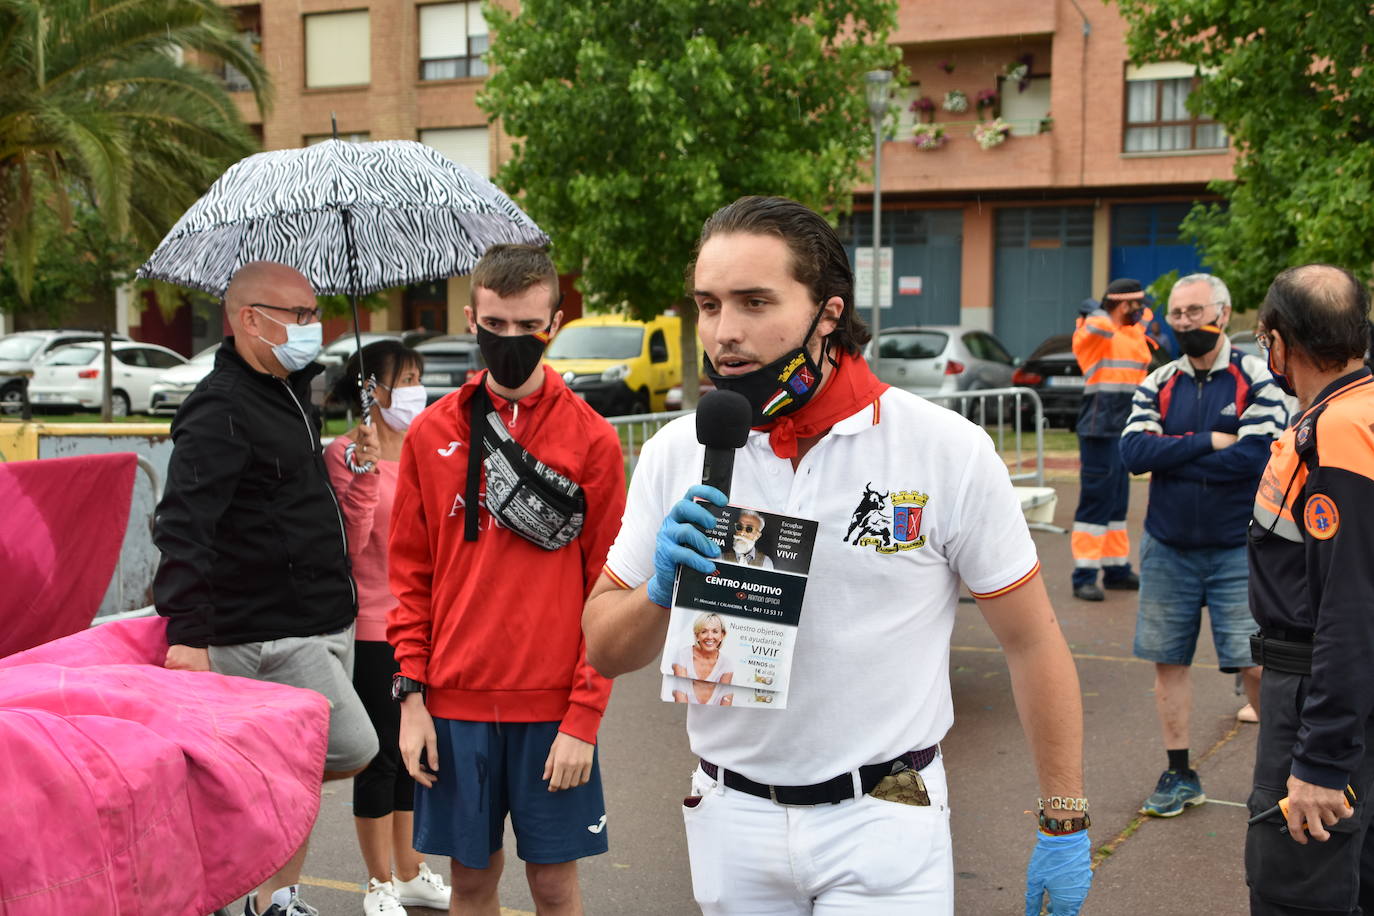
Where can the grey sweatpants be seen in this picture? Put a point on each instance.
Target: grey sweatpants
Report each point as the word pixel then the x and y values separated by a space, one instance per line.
pixel 323 664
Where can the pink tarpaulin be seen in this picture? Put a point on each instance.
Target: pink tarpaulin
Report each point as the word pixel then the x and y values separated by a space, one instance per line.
pixel 130 790
pixel 62 526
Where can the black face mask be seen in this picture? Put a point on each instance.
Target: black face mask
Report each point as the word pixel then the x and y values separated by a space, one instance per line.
pixel 783 386
pixel 512 360
pixel 1198 341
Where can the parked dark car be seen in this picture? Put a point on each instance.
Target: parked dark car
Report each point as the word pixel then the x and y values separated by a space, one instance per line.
pixel 1053 373
pixel 449 362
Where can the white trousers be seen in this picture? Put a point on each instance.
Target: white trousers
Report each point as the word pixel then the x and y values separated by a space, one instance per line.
pixel 752 857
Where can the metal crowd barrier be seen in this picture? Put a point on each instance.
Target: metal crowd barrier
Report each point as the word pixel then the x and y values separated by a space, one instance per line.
pixel 636 429
pixel 155 479
pixel 1008 407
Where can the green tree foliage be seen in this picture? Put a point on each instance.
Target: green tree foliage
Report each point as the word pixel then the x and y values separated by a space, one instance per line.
pixel 96 105
pixel 1292 83
pixel 79 262
pixel 638 120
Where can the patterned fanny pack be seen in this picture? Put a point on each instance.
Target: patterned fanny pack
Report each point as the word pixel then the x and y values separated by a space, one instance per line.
pixel 523 493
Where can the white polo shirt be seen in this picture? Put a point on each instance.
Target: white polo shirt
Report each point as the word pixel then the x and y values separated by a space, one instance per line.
pixel 870 674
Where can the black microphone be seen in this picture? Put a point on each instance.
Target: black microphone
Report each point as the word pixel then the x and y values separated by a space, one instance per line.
pixel 723 420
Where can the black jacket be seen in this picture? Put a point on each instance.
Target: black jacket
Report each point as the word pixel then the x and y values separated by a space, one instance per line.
pixel 1310 573
pixel 251 535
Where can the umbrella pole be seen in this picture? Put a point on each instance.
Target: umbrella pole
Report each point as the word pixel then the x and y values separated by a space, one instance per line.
pixel 364 387
pixel 353 295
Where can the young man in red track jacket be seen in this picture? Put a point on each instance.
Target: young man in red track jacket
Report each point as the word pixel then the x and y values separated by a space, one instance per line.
pixel 495 686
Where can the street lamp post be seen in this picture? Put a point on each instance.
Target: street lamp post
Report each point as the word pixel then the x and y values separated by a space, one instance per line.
pixel 877 85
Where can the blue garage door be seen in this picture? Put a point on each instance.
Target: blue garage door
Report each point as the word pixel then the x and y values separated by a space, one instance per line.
pixel 1146 243
pixel 1042 271
pixel 925 243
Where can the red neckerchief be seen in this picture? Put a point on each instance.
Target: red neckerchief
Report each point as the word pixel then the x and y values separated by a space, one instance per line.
pixel 852 385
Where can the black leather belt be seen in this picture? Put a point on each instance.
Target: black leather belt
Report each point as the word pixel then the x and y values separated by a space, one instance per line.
pixel 830 792
pixel 1285 651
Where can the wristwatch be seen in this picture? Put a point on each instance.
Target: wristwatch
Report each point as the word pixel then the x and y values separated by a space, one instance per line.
pixel 402 687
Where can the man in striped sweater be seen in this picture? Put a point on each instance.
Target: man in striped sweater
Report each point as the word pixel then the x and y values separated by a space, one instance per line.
pixel 1202 426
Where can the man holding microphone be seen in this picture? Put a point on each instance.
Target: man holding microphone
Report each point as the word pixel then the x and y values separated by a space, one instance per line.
pixel 869 696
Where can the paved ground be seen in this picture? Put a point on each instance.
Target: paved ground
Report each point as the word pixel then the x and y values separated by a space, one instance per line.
pixel 1184 865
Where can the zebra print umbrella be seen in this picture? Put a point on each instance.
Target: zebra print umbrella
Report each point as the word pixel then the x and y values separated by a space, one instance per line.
pixel 354 218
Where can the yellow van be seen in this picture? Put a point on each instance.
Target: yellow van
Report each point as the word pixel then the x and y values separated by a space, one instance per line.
pixel 618 365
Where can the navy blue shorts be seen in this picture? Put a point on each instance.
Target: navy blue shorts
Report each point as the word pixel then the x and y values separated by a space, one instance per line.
pixel 487 770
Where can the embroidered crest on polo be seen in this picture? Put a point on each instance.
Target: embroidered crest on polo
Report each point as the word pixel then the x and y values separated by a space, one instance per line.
pixel 888 522
pixel 1321 518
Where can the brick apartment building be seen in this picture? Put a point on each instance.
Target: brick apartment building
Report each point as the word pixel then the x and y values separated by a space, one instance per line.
pixel 1102 162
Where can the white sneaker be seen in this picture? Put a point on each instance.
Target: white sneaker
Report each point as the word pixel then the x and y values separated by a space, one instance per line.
pixel 380 899
pixel 425 889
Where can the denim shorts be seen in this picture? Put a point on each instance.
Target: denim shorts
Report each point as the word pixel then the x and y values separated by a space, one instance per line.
pixel 1175 584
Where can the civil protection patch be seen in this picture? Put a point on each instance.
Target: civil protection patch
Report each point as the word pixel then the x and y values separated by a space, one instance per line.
pixel 1321 518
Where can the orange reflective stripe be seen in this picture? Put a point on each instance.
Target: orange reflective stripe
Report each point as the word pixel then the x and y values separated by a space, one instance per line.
pixel 1116 543
pixel 1086 545
pixel 1123 359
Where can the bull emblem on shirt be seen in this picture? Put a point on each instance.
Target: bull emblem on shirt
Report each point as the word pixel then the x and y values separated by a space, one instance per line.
pixel 886 528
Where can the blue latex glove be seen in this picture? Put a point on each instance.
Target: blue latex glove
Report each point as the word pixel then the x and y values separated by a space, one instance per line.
pixel 681 542
pixel 1061 866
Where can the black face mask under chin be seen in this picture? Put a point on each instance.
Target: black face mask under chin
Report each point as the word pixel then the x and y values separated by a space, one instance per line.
pixel 783 386
pixel 1198 341
pixel 512 359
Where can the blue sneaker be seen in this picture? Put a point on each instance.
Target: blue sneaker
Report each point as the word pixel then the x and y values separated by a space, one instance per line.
pixel 1175 791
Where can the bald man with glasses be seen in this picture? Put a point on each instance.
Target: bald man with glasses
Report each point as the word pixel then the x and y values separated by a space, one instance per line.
pixel 254 577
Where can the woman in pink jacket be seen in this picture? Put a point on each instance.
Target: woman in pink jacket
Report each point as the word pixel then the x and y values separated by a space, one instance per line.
pixel 384 793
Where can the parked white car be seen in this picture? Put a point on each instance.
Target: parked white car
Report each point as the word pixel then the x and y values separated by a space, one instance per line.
pixel 22 350
pixel 69 377
pixel 175 384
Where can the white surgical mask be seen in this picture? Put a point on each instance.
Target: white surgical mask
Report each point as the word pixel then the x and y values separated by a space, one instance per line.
pixel 303 343
pixel 406 404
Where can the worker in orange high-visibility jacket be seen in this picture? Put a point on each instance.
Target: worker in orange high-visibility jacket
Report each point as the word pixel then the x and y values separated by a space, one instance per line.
pixel 1114 353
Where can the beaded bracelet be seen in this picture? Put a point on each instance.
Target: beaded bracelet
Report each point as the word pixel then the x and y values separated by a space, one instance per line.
pixel 1063 802
pixel 1055 826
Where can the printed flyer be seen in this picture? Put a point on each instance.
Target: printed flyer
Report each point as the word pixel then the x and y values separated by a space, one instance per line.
pixel 731 632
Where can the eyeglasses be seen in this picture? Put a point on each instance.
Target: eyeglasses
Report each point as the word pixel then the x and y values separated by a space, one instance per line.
pixel 1192 312
pixel 303 315
pixel 747 528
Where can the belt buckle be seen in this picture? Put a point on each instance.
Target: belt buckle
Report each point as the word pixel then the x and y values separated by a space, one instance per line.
pixel 773 795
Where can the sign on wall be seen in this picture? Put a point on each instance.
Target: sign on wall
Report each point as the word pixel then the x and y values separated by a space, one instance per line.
pixel 863 277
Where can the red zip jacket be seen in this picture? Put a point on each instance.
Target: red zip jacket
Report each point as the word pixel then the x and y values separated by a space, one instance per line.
pixel 493 627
